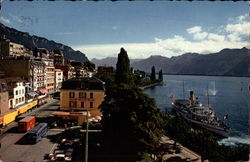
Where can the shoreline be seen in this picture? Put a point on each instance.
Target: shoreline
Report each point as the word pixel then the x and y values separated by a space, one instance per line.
pixel 209 75
pixel 150 85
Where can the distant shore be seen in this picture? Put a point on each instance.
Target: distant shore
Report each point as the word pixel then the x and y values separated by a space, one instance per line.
pixel 151 85
pixel 208 75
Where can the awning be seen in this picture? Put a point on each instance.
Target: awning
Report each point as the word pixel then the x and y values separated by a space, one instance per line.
pixel 32 94
pixel 61 113
pixel 44 91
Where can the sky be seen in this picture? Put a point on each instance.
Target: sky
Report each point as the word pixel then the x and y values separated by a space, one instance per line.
pixel 143 28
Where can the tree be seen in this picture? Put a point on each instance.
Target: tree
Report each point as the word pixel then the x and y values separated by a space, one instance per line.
pixel 153 76
pixel 131 121
pixel 123 71
pixel 160 77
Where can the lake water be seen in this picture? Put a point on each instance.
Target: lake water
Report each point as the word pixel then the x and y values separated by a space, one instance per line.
pixel 227 96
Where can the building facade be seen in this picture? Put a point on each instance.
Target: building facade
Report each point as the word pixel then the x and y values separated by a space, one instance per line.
pixel 50 75
pixel 11 49
pixel 58 57
pixel 16 88
pixel 4 97
pixel 58 79
pixel 29 70
pixel 81 95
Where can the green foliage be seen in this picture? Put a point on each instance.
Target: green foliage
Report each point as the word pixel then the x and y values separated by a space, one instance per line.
pixel 160 77
pixel 203 142
pixel 123 71
pixel 131 121
pixel 153 76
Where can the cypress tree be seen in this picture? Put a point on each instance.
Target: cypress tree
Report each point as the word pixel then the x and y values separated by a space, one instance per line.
pixel 123 71
pixel 160 77
pixel 153 77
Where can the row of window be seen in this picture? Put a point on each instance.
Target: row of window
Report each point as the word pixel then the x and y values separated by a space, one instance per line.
pixel 81 95
pixel 73 104
pixel 18 100
pixel 18 92
pixel 50 85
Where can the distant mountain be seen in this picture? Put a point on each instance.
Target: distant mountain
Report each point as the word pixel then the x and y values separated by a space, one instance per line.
pixel 234 62
pixel 110 61
pixel 40 42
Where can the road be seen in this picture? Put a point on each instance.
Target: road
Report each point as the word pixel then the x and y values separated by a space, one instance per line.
pixel 15 148
pixel 52 104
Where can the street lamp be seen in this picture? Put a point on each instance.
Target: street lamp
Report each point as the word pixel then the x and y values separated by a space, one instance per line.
pixel 86 138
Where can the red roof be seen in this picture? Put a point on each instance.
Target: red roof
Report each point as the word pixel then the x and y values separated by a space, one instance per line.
pixel 27 118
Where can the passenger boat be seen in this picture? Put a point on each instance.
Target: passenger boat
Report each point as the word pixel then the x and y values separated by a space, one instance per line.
pixel 203 116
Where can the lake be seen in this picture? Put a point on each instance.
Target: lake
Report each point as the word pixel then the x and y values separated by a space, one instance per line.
pixel 227 96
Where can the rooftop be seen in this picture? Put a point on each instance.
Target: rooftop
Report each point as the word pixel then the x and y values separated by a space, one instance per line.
pixel 83 84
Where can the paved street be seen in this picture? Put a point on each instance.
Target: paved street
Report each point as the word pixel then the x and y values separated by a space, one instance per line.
pixel 15 149
pixel 46 109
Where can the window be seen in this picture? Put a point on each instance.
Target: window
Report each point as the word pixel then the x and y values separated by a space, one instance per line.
pixel 91 105
pixel 20 99
pixel 91 95
pixel 16 101
pixel 82 94
pixel 71 94
pixel 16 92
pixel 23 91
pixel 82 104
pixel 72 104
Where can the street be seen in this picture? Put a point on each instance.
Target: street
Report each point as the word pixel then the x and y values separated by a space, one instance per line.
pixel 14 148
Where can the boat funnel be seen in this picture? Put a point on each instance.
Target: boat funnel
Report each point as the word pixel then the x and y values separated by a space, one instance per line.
pixel 192 98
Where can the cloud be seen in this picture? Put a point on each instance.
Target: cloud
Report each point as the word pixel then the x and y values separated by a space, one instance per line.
pixel 196 32
pixel 195 29
pixel 239 29
pixel 228 36
pixel 4 20
pixel 216 37
pixel 135 50
pixel 200 36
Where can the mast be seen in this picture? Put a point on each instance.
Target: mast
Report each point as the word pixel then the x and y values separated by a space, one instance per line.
pixel 207 96
pixel 183 94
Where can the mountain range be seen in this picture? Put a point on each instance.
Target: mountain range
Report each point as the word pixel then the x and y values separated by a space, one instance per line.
pixel 232 62
pixel 33 41
pixel 110 61
pixel 229 62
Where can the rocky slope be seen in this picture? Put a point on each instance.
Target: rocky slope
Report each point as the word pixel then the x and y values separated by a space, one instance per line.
pixel 33 41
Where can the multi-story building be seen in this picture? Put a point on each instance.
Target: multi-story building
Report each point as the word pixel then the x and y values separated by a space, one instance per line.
pixel 81 95
pixel 50 75
pixel 16 88
pixel 4 97
pixel 58 57
pixel 29 70
pixel 11 49
pixel 68 71
pixel 58 79
pixel 106 70
pixel 44 55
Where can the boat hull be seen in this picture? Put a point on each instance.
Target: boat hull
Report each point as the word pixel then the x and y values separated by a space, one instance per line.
pixel 221 132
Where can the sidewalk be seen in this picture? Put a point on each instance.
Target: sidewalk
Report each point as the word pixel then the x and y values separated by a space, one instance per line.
pixel 184 154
